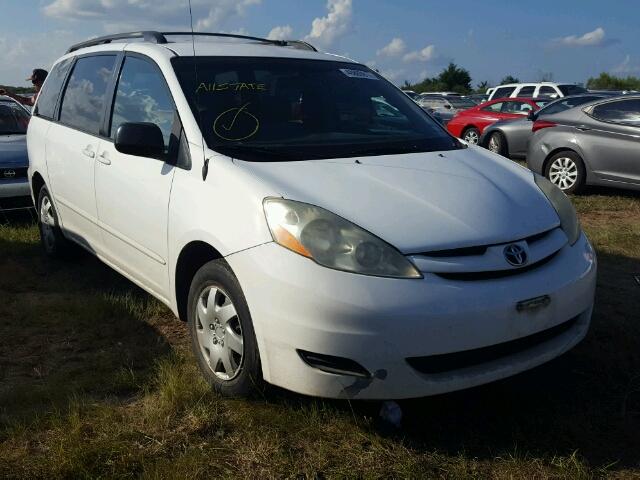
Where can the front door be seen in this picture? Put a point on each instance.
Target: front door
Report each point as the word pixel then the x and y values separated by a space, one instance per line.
pixel 132 192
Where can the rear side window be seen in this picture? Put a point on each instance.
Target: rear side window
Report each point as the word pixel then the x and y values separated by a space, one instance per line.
pixel 503 92
pixel 545 90
pixel 84 99
pixel 142 96
pixel 527 91
pixel 624 112
pixel 48 98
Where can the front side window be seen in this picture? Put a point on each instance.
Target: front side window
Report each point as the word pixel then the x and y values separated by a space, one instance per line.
pixel 84 99
pixel 142 96
pixel 516 107
pixel 13 119
pixel 48 97
pixel 545 90
pixel 527 91
pixel 276 109
pixel 624 112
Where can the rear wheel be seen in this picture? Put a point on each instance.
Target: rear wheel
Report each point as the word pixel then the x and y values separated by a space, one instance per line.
pixel 471 135
pixel 51 237
pixel 222 336
pixel 497 144
pixel 566 171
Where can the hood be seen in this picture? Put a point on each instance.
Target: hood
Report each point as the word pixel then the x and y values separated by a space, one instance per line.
pixel 420 202
pixel 13 151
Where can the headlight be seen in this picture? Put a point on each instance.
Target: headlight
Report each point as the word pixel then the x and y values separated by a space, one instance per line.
pixel 332 241
pixel 563 206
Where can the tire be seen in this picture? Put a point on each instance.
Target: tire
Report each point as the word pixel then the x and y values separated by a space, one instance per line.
pixel 222 336
pixel 471 135
pixel 53 242
pixel 497 144
pixel 566 171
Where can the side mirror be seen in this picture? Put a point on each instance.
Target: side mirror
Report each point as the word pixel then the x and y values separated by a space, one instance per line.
pixel 531 115
pixel 140 139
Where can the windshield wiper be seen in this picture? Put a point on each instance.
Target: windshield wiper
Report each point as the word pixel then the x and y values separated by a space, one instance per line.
pixel 257 151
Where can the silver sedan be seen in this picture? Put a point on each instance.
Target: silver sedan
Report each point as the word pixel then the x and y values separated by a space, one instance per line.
pixel 594 144
pixel 511 137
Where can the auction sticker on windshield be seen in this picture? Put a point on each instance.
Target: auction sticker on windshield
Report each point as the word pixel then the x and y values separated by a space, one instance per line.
pixel 358 74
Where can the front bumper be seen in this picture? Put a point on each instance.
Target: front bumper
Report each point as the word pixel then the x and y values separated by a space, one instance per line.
pixel 380 323
pixel 15 193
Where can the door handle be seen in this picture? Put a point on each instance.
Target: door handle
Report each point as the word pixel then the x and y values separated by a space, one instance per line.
pixel 88 152
pixel 104 158
pixel 583 128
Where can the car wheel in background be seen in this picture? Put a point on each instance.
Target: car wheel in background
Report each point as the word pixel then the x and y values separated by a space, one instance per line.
pixel 222 336
pixel 566 171
pixel 51 237
pixel 497 144
pixel 471 135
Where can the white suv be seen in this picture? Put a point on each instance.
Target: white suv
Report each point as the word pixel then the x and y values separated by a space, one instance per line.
pixel 309 237
pixel 535 90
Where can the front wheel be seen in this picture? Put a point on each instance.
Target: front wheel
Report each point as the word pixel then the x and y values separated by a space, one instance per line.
pixel 471 135
pixel 496 144
pixel 566 171
pixel 53 242
pixel 222 336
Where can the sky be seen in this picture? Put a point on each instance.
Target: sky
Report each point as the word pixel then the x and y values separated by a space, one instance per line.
pixel 570 40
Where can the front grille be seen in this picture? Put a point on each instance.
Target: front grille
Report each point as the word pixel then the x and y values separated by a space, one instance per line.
pixel 491 275
pixel 448 362
pixel 5 173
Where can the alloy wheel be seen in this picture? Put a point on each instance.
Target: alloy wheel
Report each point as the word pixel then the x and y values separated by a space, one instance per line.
pixel 47 223
pixel 219 333
pixel 563 172
pixel 471 136
pixel 494 146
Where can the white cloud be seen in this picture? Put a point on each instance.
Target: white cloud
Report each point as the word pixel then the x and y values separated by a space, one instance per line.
pixel 595 38
pixel 326 30
pixel 626 66
pixel 283 32
pixel 394 76
pixel 424 55
pixel 221 10
pixel 394 48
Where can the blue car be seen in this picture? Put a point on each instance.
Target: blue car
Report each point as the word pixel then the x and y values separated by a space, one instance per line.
pixel 14 161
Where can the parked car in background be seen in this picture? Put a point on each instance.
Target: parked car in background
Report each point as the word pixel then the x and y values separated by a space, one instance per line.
pixel 14 161
pixel 477 98
pixel 441 94
pixel 411 94
pixel 469 124
pixel 536 90
pixel 510 137
pixel 309 239
pixel 446 106
pixel 595 144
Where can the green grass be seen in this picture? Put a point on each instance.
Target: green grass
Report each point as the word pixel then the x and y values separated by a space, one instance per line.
pixel 97 381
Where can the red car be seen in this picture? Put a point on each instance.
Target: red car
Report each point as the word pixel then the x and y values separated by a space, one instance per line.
pixel 469 124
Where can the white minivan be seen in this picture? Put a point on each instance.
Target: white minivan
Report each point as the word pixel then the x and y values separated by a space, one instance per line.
pixel 312 224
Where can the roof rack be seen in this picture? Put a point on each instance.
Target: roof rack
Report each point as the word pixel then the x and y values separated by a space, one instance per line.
pixel 161 38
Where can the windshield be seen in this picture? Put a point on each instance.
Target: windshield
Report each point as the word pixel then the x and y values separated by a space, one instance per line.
pixel 13 119
pixel 461 102
pixel 275 109
pixel 572 90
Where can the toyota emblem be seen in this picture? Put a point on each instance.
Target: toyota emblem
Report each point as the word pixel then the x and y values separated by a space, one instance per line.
pixel 9 173
pixel 515 255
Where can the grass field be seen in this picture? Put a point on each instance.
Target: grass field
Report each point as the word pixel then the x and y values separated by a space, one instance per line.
pixel 96 380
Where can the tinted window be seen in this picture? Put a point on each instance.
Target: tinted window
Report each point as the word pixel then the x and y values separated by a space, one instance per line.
pixel 494 107
pixel 527 91
pixel 84 98
pixel 46 104
pixel 13 119
pixel 461 103
pixel 503 92
pixel 279 109
pixel 544 90
pixel 626 112
pixel 142 96
pixel 571 90
pixel 565 104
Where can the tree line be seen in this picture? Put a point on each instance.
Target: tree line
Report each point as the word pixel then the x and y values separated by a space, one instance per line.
pixel 457 79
